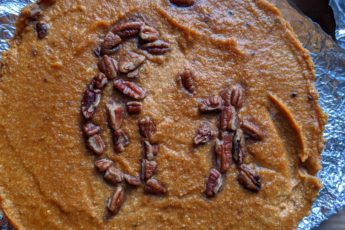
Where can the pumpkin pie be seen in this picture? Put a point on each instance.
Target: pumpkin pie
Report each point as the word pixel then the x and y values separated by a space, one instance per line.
pixel 138 114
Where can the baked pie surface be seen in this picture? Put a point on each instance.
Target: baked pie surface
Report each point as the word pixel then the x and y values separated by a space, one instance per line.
pixel 48 178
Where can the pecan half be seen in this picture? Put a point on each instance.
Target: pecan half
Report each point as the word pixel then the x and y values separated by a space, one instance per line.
pixel 133 107
pixel 229 119
pixel 127 29
pixel 148 169
pixel 234 96
pixel 41 29
pixel 130 89
pixel 150 150
pixel 238 147
pixel 184 3
pixel 116 201
pixel 91 100
pixel 214 183
pixel 99 81
pixel 115 114
pixel 132 180
pixel 213 103
pixel 96 144
pixel 91 129
pixel 248 179
pixel 148 33
pixel 121 140
pixel 103 164
pixel 153 186
pixel 108 66
pixel 223 151
pixel 130 61
pixel 203 134
pixel 113 175
pixel 237 97
pixel 157 47
pixel 252 130
pixel 110 43
pixel 187 81
pixel 147 127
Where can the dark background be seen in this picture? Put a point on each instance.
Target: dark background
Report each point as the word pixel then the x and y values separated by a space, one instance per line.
pixel 319 11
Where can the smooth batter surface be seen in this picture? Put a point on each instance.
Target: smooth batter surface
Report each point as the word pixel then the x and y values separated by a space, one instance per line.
pixel 48 180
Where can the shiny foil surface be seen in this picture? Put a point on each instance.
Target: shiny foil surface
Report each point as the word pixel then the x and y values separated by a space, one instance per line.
pixel 329 59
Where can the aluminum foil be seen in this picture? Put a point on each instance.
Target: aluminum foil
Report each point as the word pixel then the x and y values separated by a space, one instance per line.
pixel 339 12
pixel 329 59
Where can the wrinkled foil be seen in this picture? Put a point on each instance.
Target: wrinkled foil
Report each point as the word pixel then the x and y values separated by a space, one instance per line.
pixel 329 59
pixel 339 14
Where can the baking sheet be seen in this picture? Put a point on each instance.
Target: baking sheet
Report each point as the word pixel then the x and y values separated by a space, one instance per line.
pixel 329 59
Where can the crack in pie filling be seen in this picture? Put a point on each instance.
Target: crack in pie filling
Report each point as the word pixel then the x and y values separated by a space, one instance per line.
pixel 165 114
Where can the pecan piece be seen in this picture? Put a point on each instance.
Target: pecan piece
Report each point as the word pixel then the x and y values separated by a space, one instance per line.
pixel 99 81
pixel 121 140
pixel 248 179
pixel 130 62
pixel 153 186
pixel 233 96
pixel 113 175
pixel 252 130
pixel 187 81
pixel 133 74
pixel 226 96
pixel 150 150
pixel 213 103
pixel 229 119
pixel 115 114
pixel 214 183
pixel 237 97
pixel 157 47
pixel 110 43
pixel 96 144
pixel 133 107
pixel 127 29
pixel 147 127
pixel 91 129
pixel 108 66
pixel 41 29
pixel 97 52
pixel 148 33
pixel 103 164
pixel 116 201
pixel 148 169
pixel 184 3
pixel 223 151
pixel 132 180
pixel 238 147
pixel 130 89
pixel 203 134
pixel 91 100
